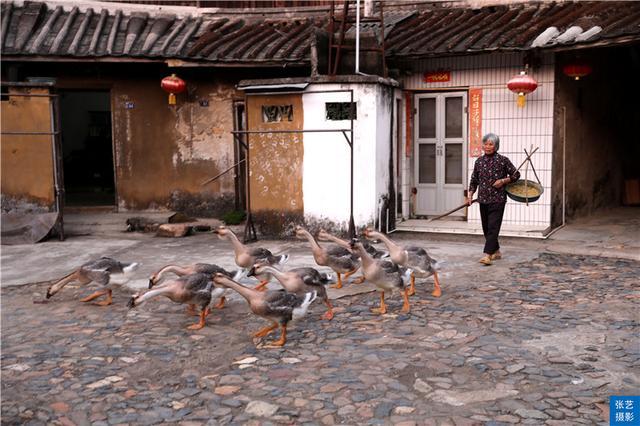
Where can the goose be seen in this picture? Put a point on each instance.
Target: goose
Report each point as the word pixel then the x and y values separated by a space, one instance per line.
pixel 385 274
pixel 300 281
pixel 340 259
pixel 246 257
pixel 196 268
pixel 194 289
pixel 413 257
pixel 277 306
pixel 374 252
pixel 99 271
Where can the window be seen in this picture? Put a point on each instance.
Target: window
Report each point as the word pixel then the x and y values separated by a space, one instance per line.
pixel 277 113
pixel 340 110
pixel 4 93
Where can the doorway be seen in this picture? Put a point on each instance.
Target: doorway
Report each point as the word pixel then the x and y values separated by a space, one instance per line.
pixel 87 148
pixel 440 152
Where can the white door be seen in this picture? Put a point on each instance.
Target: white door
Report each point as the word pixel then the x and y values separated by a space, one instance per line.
pixel 440 148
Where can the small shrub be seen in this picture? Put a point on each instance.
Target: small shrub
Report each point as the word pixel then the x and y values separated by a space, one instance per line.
pixel 234 217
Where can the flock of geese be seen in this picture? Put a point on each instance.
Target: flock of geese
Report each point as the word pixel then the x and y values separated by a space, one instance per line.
pixel 199 284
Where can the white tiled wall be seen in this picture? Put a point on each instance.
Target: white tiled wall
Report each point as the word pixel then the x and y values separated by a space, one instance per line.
pixel 518 128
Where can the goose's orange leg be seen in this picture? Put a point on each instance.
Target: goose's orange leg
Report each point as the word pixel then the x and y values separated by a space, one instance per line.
pixel 201 323
pixel 281 341
pixel 405 306
pixel 412 287
pixel 266 330
pixel 339 283
pixel 97 294
pixel 220 304
pixel 348 274
pixel 261 286
pixel 383 308
pixel 359 280
pixel 437 292
pixel 191 310
pixel 329 314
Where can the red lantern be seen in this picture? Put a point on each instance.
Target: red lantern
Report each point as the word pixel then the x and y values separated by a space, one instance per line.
pixel 173 85
pixel 576 70
pixel 522 84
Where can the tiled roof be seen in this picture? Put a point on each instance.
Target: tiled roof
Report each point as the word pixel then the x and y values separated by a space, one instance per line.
pixel 521 26
pixel 112 30
pixel 37 29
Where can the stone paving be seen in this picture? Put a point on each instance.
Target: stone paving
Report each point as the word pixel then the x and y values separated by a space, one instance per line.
pixel 547 342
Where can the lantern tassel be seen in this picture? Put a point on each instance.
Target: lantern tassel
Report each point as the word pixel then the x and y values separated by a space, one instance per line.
pixel 172 99
pixel 521 100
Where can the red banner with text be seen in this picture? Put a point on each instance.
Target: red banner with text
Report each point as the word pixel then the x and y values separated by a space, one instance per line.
pixel 475 122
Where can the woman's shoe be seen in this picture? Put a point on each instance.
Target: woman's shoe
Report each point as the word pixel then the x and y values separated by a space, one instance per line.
pixel 496 256
pixel 486 260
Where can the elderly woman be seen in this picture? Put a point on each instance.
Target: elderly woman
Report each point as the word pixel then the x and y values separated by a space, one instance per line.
pixel 491 173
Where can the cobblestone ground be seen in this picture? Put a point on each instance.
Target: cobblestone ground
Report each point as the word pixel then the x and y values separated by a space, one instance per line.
pixel 549 344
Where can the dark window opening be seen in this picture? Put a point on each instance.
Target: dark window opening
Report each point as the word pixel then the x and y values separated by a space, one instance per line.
pixel 4 93
pixel 340 111
pixel 87 148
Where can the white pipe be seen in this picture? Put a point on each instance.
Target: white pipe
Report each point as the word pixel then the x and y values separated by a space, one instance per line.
pixel 386 229
pixel 564 160
pixel 357 37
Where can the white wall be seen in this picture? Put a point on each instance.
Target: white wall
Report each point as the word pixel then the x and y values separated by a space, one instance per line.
pixel 518 128
pixel 326 164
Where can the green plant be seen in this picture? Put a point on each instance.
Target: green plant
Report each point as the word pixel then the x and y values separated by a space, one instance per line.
pixel 234 217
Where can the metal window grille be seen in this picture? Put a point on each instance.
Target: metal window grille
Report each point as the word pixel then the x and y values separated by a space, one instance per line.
pixel 340 111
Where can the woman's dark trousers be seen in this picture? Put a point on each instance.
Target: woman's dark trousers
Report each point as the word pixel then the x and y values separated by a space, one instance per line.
pixel 491 215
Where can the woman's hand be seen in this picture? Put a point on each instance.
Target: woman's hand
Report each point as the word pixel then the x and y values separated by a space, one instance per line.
pixel 501 182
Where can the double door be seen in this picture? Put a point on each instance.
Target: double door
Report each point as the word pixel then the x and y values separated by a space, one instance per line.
pixel 440 152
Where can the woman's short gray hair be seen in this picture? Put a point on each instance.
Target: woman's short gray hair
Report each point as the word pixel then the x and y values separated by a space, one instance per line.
pixel 493 138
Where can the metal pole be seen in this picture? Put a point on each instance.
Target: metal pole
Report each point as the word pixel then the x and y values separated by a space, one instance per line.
pixel 357 36
pixel 58 183
pixel 352 225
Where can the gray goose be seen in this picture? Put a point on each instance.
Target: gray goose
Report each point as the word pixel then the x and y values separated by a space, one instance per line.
pixel 279 307
pixel 194 289
pixel 413 257
pixel 246 257
pixel 196 268
pixel 300 281
pixel 340 259
pixel 99 271
pixel 385 274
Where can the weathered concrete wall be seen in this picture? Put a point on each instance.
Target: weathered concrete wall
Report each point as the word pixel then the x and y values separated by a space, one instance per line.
pixel 27 160
pixel 163 153
pixel 275 162
pixel 602 140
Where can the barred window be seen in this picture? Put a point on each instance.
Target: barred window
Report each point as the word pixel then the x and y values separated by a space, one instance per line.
pixel 277 113
pixel 340 110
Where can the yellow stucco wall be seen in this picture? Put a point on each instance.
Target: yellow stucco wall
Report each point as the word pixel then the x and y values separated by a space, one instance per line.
pixel 275 159
pixel 160 149
pixel 27 161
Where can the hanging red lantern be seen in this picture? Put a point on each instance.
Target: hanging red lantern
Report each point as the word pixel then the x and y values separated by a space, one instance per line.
pixel 174 85
pixel 522 84
pixel 576 70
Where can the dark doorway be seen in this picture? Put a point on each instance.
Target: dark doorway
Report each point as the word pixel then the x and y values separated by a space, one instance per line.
pixel 239 124
pixel 87 148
